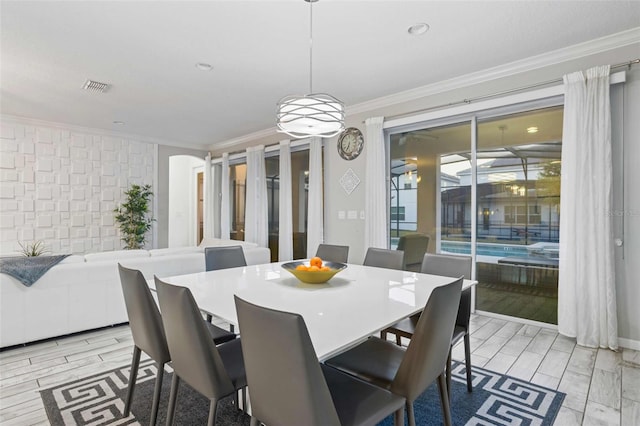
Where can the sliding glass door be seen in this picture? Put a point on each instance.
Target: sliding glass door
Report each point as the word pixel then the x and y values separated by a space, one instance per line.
pixel 424 167
pixel 518 207
pixel 504 211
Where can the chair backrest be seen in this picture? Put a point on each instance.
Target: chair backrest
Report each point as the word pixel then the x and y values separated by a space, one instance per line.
pixel 414 247
pixel 428 349
pixel 223 257
pixel 333 253
pixel 194 356
pixel 284 377
pixel 384 258
pixel 144 317
pixel 452 266
pixel 447 265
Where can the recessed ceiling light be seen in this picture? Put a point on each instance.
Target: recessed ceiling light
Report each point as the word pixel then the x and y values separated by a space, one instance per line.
pixel 204 66
pixel 532 129
pixel 418 29
pixel 118 123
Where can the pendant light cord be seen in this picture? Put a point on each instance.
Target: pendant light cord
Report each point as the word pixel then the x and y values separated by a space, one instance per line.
pixel 311 46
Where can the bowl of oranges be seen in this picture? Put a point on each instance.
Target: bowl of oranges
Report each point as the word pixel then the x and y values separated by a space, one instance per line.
pixel 315 272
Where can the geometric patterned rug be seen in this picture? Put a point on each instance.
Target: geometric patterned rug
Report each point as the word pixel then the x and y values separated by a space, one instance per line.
pixel 99 400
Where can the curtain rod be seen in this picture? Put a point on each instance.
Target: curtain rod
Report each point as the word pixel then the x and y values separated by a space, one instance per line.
pixel 297 142
pixel 504 92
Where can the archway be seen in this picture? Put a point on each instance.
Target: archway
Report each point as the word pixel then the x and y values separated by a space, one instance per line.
pixel 185 200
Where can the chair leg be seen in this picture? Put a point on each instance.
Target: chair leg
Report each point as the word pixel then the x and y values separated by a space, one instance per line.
pixel 398 339
pixel 212 412
pixel 448 371
pixel 383 334
pixel 209 318
pixel 231 328
pixel 411 415
pixel 467 361
pixel 399 417
pixel 244 399
pixel 135 362
pixel 173 398
pixel 156 395
pixel 444 399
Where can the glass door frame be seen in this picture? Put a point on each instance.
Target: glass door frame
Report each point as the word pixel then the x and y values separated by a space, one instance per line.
pixel 472 114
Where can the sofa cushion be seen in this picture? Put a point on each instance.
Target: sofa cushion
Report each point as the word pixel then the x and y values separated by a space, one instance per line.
pixel 115 255
pixel 173 250
pixel 74 258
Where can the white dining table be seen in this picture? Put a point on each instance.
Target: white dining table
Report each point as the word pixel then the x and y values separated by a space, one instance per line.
pixel 354 304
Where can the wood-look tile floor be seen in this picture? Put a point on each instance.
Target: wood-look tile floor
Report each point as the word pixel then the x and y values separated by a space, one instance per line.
pixel 602 386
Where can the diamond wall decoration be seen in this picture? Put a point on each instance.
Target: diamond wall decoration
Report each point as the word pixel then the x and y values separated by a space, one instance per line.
pixel 349 181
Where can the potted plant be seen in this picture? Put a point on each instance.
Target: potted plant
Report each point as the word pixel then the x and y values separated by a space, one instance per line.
pixel 34 249
pixel 132 216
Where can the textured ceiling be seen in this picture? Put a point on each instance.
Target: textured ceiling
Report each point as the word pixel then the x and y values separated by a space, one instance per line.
pixel 147 51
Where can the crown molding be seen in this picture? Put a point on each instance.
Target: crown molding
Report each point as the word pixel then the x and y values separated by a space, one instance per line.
pixel 95 131
pixel 230 143
pixel 554 57
pixel 546 59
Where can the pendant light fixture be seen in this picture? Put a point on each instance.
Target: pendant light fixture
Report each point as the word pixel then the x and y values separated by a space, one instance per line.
pixel 315 114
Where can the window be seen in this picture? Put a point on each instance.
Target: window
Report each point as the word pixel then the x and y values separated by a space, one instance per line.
pixel 300 201
pixel 397 213
pixel 238 195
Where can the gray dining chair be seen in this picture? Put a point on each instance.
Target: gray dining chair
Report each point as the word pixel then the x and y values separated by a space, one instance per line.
pixel 223 257
pixel 148 333
pixel 333 253
pixel 214 371
pixel 448 266
pixel 409 372
pixel 384 258
pixel 414 245
pixel 290 387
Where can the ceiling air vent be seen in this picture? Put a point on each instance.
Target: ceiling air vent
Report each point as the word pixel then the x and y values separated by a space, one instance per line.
pixel 95 86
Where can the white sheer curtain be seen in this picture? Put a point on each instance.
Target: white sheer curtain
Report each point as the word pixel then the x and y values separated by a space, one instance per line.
pixel 256 212
pixel 315 215
pixel 285 219
pixel 376 222
pixel 216 175
pixel 225 206
pixel 207 199
pixel 586 284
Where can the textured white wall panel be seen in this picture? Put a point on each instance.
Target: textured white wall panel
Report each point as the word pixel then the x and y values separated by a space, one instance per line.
pixel 60 185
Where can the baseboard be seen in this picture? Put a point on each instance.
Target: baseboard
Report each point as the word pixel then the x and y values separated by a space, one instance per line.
pixel 516 319
pixel 622 342
pixel 629 343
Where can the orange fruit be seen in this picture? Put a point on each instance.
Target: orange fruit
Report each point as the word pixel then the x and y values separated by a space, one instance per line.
pixel 302 268
pixel 316 261
pixel 325 268
pixel 313 268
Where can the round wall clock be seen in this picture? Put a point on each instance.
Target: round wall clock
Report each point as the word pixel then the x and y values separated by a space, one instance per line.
pixel 350 143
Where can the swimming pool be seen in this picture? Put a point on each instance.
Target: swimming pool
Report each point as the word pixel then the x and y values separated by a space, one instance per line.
pixel 485 249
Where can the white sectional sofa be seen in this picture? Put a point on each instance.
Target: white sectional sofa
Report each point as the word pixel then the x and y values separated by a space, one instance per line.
pixel 83 292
